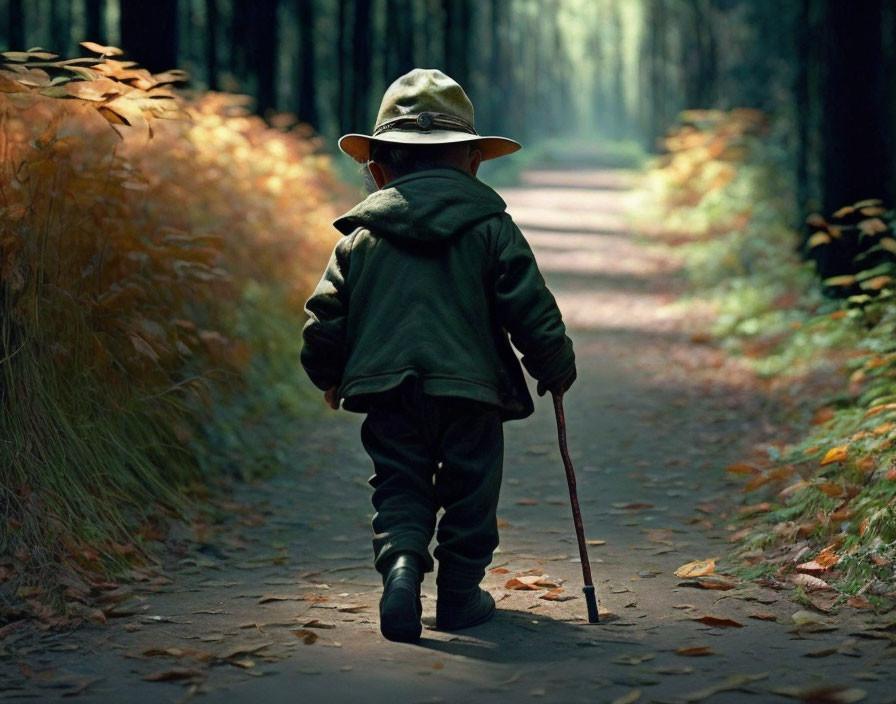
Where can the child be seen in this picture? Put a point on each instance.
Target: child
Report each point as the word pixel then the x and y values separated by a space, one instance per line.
pixel 410 325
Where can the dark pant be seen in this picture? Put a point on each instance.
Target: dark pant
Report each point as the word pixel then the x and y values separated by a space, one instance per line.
pixel 429 453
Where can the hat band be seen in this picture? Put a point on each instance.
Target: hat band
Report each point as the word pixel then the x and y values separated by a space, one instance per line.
pixel 424 122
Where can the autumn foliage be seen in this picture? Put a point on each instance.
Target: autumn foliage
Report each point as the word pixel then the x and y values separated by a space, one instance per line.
pixel 819 514
pixel 134 221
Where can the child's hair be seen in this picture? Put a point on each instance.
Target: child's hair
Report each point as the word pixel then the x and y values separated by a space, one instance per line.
pixel 403 159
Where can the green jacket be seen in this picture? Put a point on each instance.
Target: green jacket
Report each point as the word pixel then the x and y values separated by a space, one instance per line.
pixel 429 279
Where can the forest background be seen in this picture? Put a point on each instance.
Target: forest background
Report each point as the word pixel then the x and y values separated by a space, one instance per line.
pixel 157 242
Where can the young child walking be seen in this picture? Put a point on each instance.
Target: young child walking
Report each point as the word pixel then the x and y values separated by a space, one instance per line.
pixel 410 325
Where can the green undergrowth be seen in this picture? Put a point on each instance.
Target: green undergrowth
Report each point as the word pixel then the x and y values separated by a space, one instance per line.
pixel 822 507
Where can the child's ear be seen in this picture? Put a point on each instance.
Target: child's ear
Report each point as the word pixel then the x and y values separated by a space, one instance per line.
pixel 379 176
pixel 475 161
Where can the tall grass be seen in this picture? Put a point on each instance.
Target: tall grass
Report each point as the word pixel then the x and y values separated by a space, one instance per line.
pixel 133 224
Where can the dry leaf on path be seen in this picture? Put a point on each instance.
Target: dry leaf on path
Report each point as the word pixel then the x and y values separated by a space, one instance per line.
pixel 734 682
pixel 526 502
pixel 596 542
pixel 629 698
pixel 764 616
pixel 709 581
pixel 314 623
pixel 823 695
pixel 177 673
pixel 283 597
pixel 719 622
pixel 499 570
pixel 533 582
pixel 698 568
pixel 633 659
pixel 695 651
pixel 807 581
pixel 308 637
pixel 557 595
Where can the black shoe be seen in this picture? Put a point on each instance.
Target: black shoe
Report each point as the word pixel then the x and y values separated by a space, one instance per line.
pixel 400 607
pixel 463 609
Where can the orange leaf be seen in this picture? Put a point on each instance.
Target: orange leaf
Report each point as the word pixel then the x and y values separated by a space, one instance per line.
pixel 698 568
pixel 742 468
pixel 719 622
pixel 873 226
pixel 499 570
pixel 764 616
pixel 835 454
pixel 100 49
pixel 830 488
pixel 695 651
pixel 812 567
pixel 526 582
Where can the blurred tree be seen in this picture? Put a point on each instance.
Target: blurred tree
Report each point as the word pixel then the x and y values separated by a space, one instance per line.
pixel 853 103
pixel 149 33
pixel 211 44
pixel 16 30
pixel 400 40
pixel 307 102
pixel 457 19
pixel 360 59
pixel 95 21
pixel 261 51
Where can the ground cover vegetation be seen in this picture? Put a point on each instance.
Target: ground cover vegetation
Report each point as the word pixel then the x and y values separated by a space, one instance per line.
pixel 811 310
pixel 155 251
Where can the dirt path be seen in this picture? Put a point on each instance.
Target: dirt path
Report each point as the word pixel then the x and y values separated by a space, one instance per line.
pixel 281 606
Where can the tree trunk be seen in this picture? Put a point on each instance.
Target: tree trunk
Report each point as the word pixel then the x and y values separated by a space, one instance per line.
pixel 852 104
pixel 16 26
pixel 400 43
pixel 361 60
pixel 307 104
pixel 211 44
pixel 95 21
pixel 149 33
pixel 343 61
pixel 262 52
pixel 456 39
pixel 801 105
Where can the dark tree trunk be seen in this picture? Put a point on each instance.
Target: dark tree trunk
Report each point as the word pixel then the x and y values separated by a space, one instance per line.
pixel 400 44
pixel 95 21
pixel 361 55
pixel 657 53
pixel 801 104
pixel 852 104
pixel 618 127
pixel 16 26
pixel 262 52
pixel 343 61
pixel 211 43
pixel 149 33
pixel 60 26
pixel 456 38
pixel 307 104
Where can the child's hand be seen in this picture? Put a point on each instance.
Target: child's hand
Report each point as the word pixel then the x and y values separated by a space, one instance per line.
pixel 331 397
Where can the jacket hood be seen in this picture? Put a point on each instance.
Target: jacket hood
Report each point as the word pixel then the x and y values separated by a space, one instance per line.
pixel 425 207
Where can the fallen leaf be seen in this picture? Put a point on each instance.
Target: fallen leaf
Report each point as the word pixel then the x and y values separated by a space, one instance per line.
pixel 719 622
pixel 499 570
pixel 695 651
pixel 632 506
pixel 835 454
pixel 742 468
pixel 308 637
pixel 526 502
pixel 629 698
pixel 698 568
pixel 811 567
pixel 764 616
pixel 807 581
pixel 709 581
pixel 596 542
pixel 283 597
pixel 556 595
pixel 633 659
pixel 859 602
pixel 177 673
pixel 823 695
pixel 731 683
pixel 314 623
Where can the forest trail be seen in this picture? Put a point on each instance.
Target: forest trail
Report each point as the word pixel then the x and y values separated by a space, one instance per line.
pixel 280 605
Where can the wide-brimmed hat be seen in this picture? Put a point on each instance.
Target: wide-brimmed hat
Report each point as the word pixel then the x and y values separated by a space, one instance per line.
pixel 425 107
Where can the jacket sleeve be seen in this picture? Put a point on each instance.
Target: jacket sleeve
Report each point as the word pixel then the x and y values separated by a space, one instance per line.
pixel 324 334
pixel 527 310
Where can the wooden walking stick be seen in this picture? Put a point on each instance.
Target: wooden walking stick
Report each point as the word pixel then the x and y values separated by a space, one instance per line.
pixel 590 598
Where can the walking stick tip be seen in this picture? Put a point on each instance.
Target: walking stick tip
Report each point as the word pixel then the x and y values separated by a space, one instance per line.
pixel 591 603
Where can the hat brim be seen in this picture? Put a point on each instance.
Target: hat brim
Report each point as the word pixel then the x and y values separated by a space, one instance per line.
pixel 357 146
